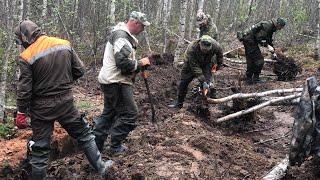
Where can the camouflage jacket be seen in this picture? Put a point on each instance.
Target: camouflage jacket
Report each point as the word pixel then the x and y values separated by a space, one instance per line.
pixel 209 29
pixel 198 63
pixel 261 32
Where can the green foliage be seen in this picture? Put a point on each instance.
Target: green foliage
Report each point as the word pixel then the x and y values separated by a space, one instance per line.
pixel 6 130
pixel 299 14
pixel 84 105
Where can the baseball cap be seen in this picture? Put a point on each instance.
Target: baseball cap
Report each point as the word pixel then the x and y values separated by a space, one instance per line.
pixel 140 17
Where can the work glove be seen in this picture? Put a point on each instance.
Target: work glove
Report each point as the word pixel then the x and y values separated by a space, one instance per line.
pixel 144 62
pixel 274 56
pixel 206 85
pixel 21 120
pixel 271 49
pixel 264 43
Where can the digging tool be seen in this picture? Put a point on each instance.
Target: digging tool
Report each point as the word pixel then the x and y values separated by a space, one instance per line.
pixel 144 75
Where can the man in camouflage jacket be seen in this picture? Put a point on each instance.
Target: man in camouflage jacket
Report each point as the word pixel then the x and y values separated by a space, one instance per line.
pixel 259 34
pixel 202 57
pixel 206 25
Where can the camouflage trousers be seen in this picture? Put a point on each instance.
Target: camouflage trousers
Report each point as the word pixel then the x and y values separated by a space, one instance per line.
pixel 254 57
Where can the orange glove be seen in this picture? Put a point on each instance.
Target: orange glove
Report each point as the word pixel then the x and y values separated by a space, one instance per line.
pixel 214 68
pixel 21 120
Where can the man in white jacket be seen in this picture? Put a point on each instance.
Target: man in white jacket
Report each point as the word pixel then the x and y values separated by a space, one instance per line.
pixel 119 65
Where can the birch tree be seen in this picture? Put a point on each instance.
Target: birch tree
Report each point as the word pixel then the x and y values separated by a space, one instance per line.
pixel 191 19
pixel 112 11
pixel 317 49
pixel 182 21
pixel 3 79
pixel 159 9
pixel 165 24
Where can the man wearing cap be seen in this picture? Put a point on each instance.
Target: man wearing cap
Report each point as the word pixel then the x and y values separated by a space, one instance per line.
pixel 203 56
pixel 48 68
pixel 206 25
pixel 116 78
pixel 259 34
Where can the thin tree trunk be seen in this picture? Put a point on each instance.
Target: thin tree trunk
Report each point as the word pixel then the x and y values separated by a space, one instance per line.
pixel 165 24
pixel 317 45
pixel 112 10
pixel 181 32
pixel 191 19
pixel 253 95
pixel 21 10
pixel 259 106
pixel 200 5
pixel 159 10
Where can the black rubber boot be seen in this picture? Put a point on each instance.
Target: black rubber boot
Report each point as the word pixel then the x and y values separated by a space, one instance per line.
pixel 256 79
pixel 249 78
pixel 94 157
pixel 99 143
pixel 38 174
pixel 176 104
pixel 179 102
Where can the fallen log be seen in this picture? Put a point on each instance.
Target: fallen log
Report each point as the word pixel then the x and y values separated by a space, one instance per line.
pixel 254 108
pixel 225 53
pixel 251 95
pixel 285 103
pixel 279 171
pixel 244 62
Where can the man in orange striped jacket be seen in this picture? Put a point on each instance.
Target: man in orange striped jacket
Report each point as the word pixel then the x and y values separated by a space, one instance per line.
pixel 48 68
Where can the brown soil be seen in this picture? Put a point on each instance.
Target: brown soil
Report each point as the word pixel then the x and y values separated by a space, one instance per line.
pixel 182 145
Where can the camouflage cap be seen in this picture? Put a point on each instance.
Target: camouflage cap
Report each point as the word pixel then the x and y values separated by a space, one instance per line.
pixel 140 17
pixel 281 21
pixel 206 42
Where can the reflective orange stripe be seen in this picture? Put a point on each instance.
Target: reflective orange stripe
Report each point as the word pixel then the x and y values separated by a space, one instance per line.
pixel 42 44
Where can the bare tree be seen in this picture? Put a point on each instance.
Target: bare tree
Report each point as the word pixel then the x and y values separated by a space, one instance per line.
pixel 112 11
pixel 191 19
pixel 317 45
pixel 165 24
pixel 181 32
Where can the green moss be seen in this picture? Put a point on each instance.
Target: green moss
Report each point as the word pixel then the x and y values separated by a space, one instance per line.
pixel 83 105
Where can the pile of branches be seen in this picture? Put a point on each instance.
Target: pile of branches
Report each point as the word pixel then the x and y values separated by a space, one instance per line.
pixel 286 68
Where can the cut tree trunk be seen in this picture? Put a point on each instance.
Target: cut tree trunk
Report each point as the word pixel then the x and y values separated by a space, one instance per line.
pixel 252 95
pixel 254 108
pixel 279 171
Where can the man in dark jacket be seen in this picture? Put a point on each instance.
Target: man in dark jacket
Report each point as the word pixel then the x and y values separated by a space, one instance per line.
pixel 116 78
pixel 259 34
pixel 48 68
pixel 203 56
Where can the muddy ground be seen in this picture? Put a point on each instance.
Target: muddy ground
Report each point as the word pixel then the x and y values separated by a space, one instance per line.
pixel 181 145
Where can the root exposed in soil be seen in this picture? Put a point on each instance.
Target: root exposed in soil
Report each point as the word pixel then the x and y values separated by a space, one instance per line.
pixel 286 68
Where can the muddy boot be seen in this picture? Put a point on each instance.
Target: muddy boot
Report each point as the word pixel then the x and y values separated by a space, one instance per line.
pixel 117 150
pixel 248 79
pixel 212 93
pixel 99 143
pixel 179 102
pixel 256 79
pixel 176 104
pixel 38 174
pixel 94 157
